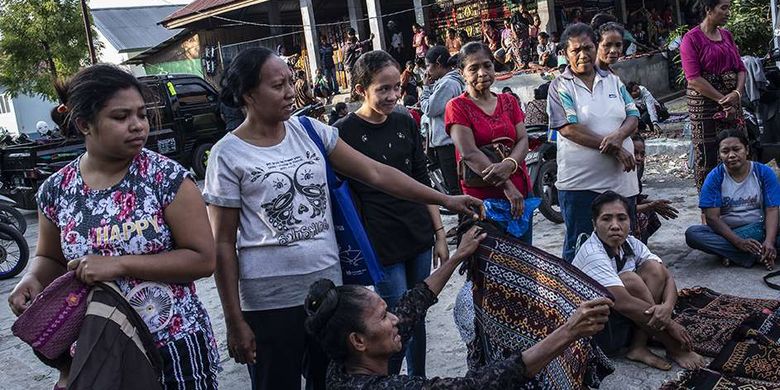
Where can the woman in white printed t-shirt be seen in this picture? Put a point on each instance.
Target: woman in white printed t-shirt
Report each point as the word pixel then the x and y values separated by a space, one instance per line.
pixel 268 197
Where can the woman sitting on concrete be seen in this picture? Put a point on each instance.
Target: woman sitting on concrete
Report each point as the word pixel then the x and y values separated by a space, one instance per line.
pixel 740 200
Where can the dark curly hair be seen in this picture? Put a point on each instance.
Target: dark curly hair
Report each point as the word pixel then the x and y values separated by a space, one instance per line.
pixel 243 75
pixel 87 92
pixel 606 197
pixel 471 49
pixel 369 64
pixel 332 313
pixel 576 30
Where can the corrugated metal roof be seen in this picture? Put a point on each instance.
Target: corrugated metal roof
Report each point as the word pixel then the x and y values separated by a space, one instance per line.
pixel 134 28
pixel 198 6
pixel 202 9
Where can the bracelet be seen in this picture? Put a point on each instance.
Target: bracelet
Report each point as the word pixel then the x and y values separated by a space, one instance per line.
pixel 513 161
pixel 440 228
pixel 738 94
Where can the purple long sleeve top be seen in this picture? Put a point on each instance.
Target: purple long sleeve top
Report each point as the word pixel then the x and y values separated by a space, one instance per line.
pixel 702 55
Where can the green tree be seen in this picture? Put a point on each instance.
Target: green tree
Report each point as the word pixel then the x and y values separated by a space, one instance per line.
pixel 40 41
pixel 751 25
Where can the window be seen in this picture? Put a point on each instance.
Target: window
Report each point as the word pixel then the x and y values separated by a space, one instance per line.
pixel 5 104
pixel 192 94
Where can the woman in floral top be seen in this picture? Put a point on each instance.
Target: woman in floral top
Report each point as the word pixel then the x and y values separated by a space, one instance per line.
pixel 125 214
pixel 360 350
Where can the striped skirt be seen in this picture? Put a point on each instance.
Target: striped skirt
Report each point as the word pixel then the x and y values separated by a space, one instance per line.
pixel 705 128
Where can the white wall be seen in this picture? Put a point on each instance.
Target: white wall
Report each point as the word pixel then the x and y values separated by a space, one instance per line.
pixel 8 120
pixel 108 54
pixel 31 109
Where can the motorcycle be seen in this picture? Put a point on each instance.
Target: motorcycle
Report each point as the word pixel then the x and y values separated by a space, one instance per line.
pixel 762 117
pixel 14 252
pixel 315 111
pixel 543 170
pixel 9 215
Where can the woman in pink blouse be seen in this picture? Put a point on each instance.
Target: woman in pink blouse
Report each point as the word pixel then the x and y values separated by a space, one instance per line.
pixel 716 79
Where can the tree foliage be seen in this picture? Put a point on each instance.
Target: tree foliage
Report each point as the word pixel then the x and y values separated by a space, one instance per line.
pixel 751 25
pixel 40 41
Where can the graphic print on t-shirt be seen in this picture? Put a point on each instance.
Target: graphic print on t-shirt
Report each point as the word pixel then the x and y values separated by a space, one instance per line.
pixel 297 211
pixel 742 202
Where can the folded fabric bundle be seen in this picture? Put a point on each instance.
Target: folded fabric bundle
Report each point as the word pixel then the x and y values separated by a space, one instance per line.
pixel 712 318
pixel 521 295
pixel 741 333
pixel 752 356
pixel 709 332
pixel 705 379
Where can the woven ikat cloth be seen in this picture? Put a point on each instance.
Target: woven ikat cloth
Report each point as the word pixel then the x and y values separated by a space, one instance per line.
pixel 521 295
pixel 743 334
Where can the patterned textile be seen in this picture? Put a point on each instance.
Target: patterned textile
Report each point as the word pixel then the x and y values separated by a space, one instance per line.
pixel 741 333
pixel 712 319
pixel 704 379
pixel 521 295
pixel 753 356
pixel 694 298
pixel 705 128
pixel 710 333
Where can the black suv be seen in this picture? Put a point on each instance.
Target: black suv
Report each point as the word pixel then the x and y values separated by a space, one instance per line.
pixel 189 124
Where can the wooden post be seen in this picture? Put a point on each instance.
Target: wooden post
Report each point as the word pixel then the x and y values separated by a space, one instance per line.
pixel 88 28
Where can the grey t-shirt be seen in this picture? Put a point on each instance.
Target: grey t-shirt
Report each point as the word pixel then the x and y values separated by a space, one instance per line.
pixel 742 202
pixel 285 239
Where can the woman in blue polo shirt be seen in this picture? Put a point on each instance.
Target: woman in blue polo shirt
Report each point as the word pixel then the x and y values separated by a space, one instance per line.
pixel 740 200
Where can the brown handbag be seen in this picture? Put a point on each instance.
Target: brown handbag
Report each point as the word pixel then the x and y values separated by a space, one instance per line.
pixel 495 152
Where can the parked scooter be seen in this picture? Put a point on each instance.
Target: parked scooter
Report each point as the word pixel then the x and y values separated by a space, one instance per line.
pixel 762 117
pixel 543 169
pixel 9 215
pixel 14 252
pixel 315 111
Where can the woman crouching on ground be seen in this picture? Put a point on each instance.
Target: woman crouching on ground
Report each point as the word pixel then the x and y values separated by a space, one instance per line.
pixel 360 335
pixel 115 183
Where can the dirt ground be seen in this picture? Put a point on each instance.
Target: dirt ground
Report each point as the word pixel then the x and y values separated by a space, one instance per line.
pixel 19 369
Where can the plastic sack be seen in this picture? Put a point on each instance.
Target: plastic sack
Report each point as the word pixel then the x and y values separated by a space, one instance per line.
pixel 500 211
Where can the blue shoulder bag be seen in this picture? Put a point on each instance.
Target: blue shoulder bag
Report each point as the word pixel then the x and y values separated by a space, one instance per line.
pixel 359 264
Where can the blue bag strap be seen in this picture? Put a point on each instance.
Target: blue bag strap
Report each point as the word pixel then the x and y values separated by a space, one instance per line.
pixel 333 181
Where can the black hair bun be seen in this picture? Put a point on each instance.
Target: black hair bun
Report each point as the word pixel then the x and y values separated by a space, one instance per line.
pixel 320 304
pixel 227 96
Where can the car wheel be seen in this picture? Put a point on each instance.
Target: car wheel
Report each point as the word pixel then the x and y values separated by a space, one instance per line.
pixel 200 159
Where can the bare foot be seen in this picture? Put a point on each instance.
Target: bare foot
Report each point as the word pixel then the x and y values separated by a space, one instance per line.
pixel 687 359
pixel 644 355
